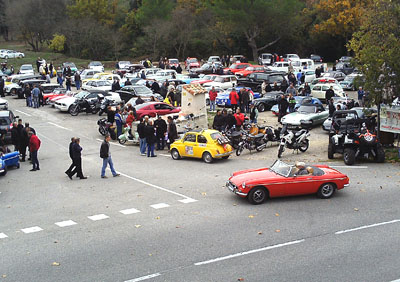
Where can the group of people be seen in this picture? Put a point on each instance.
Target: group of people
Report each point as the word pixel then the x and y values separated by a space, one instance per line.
pixel 164 63
pixel 226 120
pixel 241 99
pixel 33 95
pixel 23 138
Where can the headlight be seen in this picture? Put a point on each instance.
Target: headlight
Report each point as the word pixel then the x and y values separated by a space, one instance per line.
pixel 244 185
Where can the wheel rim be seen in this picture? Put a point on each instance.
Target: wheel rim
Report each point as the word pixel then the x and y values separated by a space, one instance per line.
pixel 346 157
pixel 258 196
pixel 175 154
pixel 261 108
pixel 208 158
pixel 304 146
pixel 327 190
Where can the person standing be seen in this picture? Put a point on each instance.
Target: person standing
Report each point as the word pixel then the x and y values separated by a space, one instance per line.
pixel 150 138
pixel 253 113
pixel 28 95
pixel 51 69
pixel 219 121
pixel 77 159
pixel 172 132
pixel 329 94
pixel 34 145
pixel 77 78
pixel 106 156
pixel 15 137
pixel 68 82
pixel 118 122
pixel 142 137
pixel 245 100
pixel 234 98
pixel 291 90
pixel 239 118
pixel 38 63
pixel 283 105
pixel 35 96
pixel 360 95
pixel 292 103
pixel 264 87
pixel 71 167
pixel 213 96
pixel 161 130
pixel 2 87
pixel 331 107
pixel 60 80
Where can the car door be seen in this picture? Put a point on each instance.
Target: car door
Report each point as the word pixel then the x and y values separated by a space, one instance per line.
pixel 301 185
pixel 200 146
pixel 189 142
pixel 317 91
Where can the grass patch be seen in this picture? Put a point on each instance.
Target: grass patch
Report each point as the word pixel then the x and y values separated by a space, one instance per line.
pixel 392 155
pixel 48 55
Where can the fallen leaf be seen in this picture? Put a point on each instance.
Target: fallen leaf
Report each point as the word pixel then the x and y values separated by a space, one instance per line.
pixel 157 217
pixel 277 230
pixel 204 193
pixel 251 216
pixel 381 187
pixel 177 227
pixel 259 232
pixel 138 225
pixel 355 209
pixel 4 276
pixel 55 264
pixel 235 204
pixel 362 190
pixel 150 255
pixel 388 176
pixel 277 214
pixel 240 279
pixel 55 242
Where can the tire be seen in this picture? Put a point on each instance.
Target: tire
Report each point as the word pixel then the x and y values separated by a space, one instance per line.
pixel 261 107
pixel 46 102
pixel 121 141
pixel 257 195
pixel 239 150
pixel 280 150
pixel 331 151
pixel 304 146
pixel 225 158
pixel 380 154
pixel 258 149
pixel 207 158
pixel 349 156
pixel 74 110
pixel 175 154
pixel 95 110
pixel 102 130
pixel 5 172
pixel 326 190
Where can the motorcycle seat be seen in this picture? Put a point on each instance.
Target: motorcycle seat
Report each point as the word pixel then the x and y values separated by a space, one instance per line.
pixel 235 133
pixel 298 133
pixel 260 135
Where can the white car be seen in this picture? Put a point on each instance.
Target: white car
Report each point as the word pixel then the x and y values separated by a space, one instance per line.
pixel 65 103
pixel 307 64
pixel 96 65
pixel 88 73
pixel 8 54
pixel 214 59
pixel 3 104
pixel 319 89
pixel 124 64
pixel 11 88
pixel 280 66
pixel 104 85
pixel 223 81
pixel 162 75
pixel 291 57
pixel 150 71
pixel 26 69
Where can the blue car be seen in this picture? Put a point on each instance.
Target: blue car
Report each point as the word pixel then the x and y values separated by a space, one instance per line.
pixel 3 168
pixel 299 101
pixel 223 100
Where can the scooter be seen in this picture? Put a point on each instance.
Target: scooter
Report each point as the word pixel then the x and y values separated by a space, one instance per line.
pixel 294 139
pixel 127 137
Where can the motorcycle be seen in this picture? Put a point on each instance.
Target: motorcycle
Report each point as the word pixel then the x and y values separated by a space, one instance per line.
pixel 294 139
pixel 251 142
pixel 127 137
pixel 104 106
pixel 234 136
pixel 83 105
pixel 106 127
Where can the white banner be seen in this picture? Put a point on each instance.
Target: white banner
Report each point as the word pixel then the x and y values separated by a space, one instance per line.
pixel 390 119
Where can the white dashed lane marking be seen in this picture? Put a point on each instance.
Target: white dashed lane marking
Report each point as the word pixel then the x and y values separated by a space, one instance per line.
pixel 159 206
pixel 65 223
pixel 367 226
pixel 3 236
pixel 31 229
pixel 98 217
pixel 23 113
pixel 144 277
pixel 129 211
pixel 187 201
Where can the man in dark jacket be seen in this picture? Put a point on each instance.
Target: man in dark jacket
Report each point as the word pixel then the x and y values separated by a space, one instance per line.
pixel 15 137
pixel 161 130
pixel 71 167
pixel 151 139
pixel 283 105
pixel 230 120
pixel 331 107
pixel 172 131
pixel 142 137
pixel 329 94
pixel 106 156
pixel 2 87
pixel 155 87
pixel 77 159
pixel 219 121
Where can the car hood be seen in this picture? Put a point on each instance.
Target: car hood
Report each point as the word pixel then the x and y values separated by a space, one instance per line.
pixel 295 118
pixel 254 176
pixel 66 100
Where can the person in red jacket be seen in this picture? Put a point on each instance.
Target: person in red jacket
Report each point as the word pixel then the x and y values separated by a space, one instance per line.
pixel 239 118
pixel 234 97
pixel 34 145
pixel 213 95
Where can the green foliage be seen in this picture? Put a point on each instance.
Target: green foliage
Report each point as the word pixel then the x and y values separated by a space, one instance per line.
pixel 57 44
pixel 377 50
pixel 103 11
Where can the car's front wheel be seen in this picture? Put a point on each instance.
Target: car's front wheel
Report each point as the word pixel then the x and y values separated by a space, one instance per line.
pixel 326 190
pixel 261 107
pixel 175 154
pixel 257 195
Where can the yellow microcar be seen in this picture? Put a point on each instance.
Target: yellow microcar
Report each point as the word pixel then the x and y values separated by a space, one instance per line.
pixel 204 144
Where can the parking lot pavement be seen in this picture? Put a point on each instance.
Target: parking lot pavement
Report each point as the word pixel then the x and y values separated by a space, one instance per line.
pixel 166 220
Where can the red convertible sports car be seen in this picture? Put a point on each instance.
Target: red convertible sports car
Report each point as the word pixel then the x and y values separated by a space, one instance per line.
pixel 152 109
pixel 56 93
pixel 234 68
pixel 282 180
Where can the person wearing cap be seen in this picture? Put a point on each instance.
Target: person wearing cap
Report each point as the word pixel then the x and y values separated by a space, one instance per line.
pixel 106 156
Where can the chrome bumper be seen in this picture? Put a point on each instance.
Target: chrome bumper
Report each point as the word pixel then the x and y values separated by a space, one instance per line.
pixel 232 187
pixel 346 185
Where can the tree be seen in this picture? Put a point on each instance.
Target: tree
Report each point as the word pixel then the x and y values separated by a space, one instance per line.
pixel 377 50
pixel 3 20
pixel 102 11
pixel 258 20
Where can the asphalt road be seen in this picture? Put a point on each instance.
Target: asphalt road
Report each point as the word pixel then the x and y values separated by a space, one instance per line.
pixel 166 220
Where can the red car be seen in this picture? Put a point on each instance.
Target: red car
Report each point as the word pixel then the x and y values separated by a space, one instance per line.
pixel 191 63
pixel 173 63
pixel 205 79
pixel 281 180
pixel 152 109
pixel 234 68
pixel 56 93
pixel 249 70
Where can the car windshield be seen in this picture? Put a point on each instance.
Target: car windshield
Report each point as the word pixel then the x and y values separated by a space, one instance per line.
pixel 26 67
pixel 349 78
pixel 306 109
pixel 81 94
pixel 266 56
pixel 173 61
pixel 205 66
pixel 192 60
pixel 281 168
pixel 95 64
pixel 143 90
pixel 215 136
pixel 71 65
pixel 141 106
pixel 233 66
pixel 219 79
